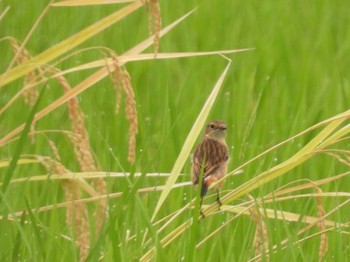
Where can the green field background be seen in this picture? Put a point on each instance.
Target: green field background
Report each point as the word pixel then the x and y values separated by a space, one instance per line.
pixel 297 76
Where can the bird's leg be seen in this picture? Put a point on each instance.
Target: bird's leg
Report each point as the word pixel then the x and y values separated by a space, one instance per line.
pixel 218 198
pixel 200 208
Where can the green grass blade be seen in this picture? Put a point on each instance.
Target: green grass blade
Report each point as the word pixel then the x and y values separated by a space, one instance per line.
pixel 190 140
pixel 20 145
pixel 17 244
pixel 36 230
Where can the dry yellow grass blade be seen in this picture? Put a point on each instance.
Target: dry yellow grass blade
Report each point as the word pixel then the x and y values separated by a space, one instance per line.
pixel 243 209
pixel 78 175
pixel 89 2
pixel 93 199
pixel 190 140
pixel 67 44
pixel 89 81
pixel 2 15
pixel 336 136
pixel 283 190
pixel 142 57
pixel 309 195
pixel 269 213
pixel 284 246
pixel 343 115
pixel 6 163
pixel 284 242
pixel 281 215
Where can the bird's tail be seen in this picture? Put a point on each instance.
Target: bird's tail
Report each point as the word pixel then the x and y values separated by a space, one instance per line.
pixel 204 189
pixel 206 183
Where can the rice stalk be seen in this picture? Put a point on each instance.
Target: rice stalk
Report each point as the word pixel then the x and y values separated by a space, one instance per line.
pixel 261 239
pixel 76 212
pixel 121 80
pixel 284 242
pixel 30 95
pixel 3 77
pixel 21 56
pixel 82 150
pixel 154 22
pixel 321 212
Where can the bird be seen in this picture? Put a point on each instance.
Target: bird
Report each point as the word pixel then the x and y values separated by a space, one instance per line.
pixel 210 158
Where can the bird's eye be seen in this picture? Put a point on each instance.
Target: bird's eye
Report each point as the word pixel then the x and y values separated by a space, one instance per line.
pixel 212 126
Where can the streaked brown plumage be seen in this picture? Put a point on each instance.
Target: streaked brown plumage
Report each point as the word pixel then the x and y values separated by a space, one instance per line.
pixel 210 157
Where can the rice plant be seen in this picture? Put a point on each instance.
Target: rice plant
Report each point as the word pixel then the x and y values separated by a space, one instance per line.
pixel 99 121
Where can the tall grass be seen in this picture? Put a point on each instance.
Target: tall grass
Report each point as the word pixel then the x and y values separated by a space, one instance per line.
pixel 97 126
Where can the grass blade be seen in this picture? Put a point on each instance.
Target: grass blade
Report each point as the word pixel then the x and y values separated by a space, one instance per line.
pixel 35 229
pixel 89 2
pixel 190 140
pixel 17 244
pixel 20 145
pixel 143 57
pixel 2 15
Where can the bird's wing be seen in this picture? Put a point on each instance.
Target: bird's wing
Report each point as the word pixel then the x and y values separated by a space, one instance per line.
pixel 212 154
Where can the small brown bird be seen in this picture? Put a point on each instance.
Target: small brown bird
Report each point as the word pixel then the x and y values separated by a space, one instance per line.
pixel 210 158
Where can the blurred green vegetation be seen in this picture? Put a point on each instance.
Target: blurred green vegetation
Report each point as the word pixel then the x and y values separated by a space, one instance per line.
pixel 298 75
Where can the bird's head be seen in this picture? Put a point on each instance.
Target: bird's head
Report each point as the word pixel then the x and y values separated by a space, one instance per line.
pixel 216 130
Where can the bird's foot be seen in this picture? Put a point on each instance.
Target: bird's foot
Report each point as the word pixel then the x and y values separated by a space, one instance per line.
pixel 202 214
pixel 219 202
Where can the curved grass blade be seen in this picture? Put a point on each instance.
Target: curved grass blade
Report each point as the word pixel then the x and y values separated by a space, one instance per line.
pixel 143 57
pixel 190 140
